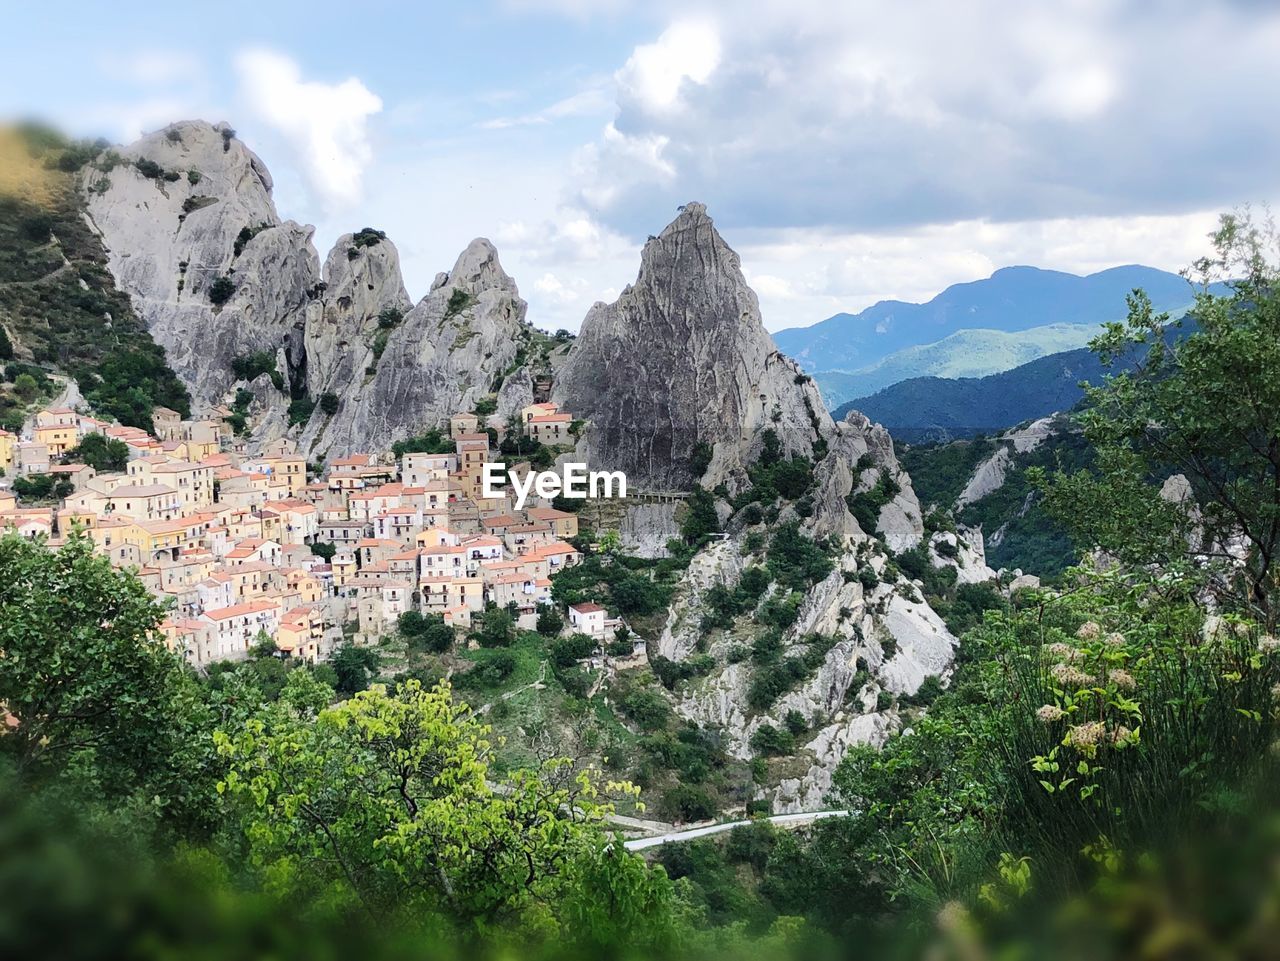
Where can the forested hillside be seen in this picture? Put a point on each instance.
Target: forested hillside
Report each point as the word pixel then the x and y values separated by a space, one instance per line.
pixel 59 308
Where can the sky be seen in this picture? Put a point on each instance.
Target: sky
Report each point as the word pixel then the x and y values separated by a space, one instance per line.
pixel 849 151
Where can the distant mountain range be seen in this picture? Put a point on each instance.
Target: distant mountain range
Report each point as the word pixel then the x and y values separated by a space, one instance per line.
pixel 939 408
pixel 1011 299
pixel 964 354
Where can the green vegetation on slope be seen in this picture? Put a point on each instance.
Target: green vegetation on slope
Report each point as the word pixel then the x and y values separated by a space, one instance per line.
pixel 59 305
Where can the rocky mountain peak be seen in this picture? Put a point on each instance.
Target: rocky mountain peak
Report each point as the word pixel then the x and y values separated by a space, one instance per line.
pixel 478 268
pixel 442 356
pixel 193 237
pixel 681 359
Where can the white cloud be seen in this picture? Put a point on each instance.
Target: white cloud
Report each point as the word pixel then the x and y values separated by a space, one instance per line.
pixel 873 117
pixel 325 125
pixel 827 271
pixel 655 72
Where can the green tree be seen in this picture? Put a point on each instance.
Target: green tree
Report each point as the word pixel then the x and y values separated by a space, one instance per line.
pixel 354 666
pixel 388 798
pixel 609 541
pixel 101 453
pixel 88 680
pixel 426 631
pixel 1206 406
pixel 25 386
pixel 550 621
pixel 701 518
pixel 496 628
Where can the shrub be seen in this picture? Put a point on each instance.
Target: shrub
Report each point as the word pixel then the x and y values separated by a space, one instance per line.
pixel 751 844
pixel 567 651
pixel 426 632
pixel 148 168
pixel 770 741
pixel 497 628
pixel 648 708
pixel 795 722
pixel 671 672
pixel 329 403
pixel 459 301
pixel 687 803
pixel 220 290
pixel 550 621
pixel 947 549
pixel 252 366
pixel 796 561
pixel 368 237
pixel 25 386
pixel 490 672
pixel 300 410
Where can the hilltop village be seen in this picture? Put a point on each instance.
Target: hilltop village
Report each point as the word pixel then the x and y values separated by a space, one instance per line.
pixel 244 548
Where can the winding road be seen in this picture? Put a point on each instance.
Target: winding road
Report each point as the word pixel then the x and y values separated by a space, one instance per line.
pixel 778 820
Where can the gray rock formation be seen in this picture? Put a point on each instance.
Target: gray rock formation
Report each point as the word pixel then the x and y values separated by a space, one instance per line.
pixel 965 551
pixel 884 641
pixel 171 216
pixel 682 358
pixel 190 206
pixel 360 283
pixel 445 355
pixel 857 441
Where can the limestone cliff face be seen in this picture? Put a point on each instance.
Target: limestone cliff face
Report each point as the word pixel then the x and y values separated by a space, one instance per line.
pixel 682 358
pixel 184 208
pixel 447 353
pixel 885 639
pixel 189 207
pixel 360 283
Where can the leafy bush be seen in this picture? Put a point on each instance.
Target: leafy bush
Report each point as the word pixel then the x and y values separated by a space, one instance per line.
pixel 769 741
pixel 700 518
pixel 221 290
pixel 796 561
pixel 252 366
pixel 489 672
pixel 101 453
pixel 648 708
pixel 671 672
pixel 368 237
pixel 496 628
pixel 865 507
pixel 432 442
pixel 148 168
pixel 354 667
pixel 459 300
pixel 687 803
pixel 550 621
pixel 427 632
pixel 567 651
pixel 300 410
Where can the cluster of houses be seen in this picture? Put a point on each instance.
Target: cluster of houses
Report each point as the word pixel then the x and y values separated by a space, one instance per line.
pixel 244 546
